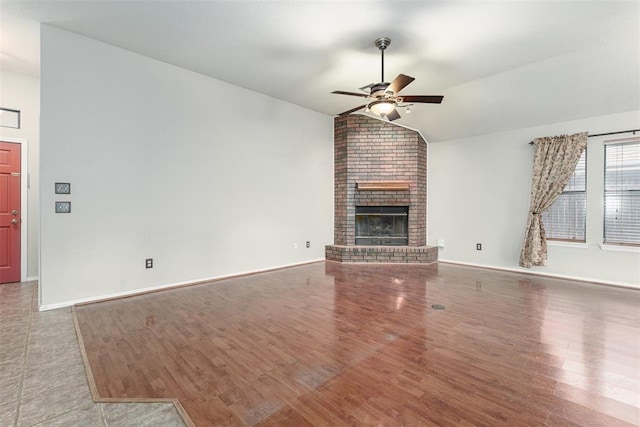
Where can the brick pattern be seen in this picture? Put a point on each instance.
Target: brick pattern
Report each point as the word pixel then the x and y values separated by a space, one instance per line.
pixel 340 182
pixel 382 254
pixel 368 149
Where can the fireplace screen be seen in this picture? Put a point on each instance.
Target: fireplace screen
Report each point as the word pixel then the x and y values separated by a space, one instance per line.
pixel 382 225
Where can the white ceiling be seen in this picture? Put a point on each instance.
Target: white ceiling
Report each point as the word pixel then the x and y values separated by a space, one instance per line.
pixel 500 65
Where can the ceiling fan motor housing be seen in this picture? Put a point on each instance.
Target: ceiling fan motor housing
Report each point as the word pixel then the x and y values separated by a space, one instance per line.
pixel 378 89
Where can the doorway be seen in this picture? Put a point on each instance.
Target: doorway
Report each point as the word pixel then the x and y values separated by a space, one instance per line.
pixel 13 265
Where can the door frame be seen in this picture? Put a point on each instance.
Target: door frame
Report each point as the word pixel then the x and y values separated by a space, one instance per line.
pixel 24 190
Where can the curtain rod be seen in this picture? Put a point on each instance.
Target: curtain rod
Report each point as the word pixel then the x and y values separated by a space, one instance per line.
pixel 608 133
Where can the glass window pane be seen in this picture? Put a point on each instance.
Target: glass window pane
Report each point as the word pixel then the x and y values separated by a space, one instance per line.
pixel 622 193
pixel 566 219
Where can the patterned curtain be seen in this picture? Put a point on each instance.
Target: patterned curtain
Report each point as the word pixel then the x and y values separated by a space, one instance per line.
pixel 554 161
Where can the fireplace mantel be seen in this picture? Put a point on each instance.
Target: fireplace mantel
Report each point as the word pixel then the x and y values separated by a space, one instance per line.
pixel 383 185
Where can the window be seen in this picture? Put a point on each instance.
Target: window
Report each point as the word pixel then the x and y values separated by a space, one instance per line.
pixel 9 118
pixel 622 193
pixel 566 218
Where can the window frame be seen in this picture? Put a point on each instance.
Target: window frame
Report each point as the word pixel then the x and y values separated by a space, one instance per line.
pixel 609 243
pixel 548 224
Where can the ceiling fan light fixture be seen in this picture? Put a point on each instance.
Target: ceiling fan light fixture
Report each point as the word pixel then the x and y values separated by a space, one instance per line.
pixel 382 107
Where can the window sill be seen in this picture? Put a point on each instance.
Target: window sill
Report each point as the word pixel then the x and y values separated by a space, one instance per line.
pixel 620 248
pixel 561 243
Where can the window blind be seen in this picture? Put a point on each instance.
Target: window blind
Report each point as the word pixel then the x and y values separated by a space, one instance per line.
pixel 566 219
pixel 622 193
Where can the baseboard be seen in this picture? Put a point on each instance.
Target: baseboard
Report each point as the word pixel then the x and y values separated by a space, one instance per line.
pixel 32 278
pixel 134 292
pixel 541 273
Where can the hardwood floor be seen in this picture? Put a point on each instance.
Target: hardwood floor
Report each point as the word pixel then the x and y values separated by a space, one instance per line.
pixel 334 344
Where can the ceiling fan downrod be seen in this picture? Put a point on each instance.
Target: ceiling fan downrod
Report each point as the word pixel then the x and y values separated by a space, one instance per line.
pixel 382 44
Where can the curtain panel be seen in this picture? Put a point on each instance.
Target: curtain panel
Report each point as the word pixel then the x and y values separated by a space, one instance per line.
pixel 554 161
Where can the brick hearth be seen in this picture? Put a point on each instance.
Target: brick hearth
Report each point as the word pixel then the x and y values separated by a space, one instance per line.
pixel 407 254
pixel 378 163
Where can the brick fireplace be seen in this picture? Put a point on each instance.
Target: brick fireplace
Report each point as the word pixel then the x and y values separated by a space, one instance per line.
pixel 378 165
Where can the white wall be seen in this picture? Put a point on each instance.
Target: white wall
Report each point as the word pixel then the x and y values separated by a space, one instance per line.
pixel 206 178
pixel 479 193
pixel 22 92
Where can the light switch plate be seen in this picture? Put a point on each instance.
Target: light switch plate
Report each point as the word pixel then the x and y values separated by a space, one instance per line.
pixel 63 188
pixel 63 207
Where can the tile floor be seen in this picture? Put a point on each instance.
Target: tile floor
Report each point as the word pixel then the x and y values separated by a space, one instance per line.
pixel 42 378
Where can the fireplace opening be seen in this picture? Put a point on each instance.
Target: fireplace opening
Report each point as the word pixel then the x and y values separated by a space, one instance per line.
pixel 382 225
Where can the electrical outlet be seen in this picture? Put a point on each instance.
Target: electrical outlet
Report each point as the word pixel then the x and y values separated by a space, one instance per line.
pixel 63 188
pixel 148 263
pixel 63 207
pixel 308 244
pixel 478 246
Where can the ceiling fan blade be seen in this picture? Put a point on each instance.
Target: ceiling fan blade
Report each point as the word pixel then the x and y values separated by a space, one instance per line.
pixel 341 92
pixel 393 115
pixel 367 88
pixel 427 99
pixel 399 83
pixel 352 110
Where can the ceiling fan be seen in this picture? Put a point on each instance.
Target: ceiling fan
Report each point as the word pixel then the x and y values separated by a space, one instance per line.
pixel 383 98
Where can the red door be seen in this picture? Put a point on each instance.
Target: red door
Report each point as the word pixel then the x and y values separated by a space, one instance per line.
pixel 9 212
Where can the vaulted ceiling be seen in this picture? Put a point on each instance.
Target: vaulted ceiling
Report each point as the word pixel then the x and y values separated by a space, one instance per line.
pixel 499 64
